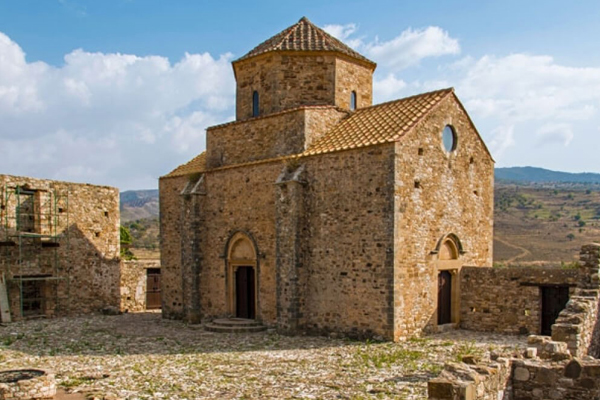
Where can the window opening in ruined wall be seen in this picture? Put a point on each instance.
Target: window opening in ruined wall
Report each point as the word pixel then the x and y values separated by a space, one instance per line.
pixel 255 104
pixel 353 100
pixel 33 298
pixel 25 211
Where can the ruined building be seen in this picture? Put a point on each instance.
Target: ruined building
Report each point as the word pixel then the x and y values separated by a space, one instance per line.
pixel 316 210
pixel 59 248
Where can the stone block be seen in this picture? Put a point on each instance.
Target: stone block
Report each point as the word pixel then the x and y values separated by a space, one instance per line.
pixel 573 369
pixel 521 374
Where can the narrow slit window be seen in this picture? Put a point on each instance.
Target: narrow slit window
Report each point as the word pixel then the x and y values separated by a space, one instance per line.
pixel 353 100
pixel 255 104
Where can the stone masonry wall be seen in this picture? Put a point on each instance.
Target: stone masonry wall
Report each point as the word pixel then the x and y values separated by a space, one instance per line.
pixel 489 380
pixel 351 76
pixel 578 324
pixel 508 300
pixel 349 242
pixel 170 244
pixel 436 194
pixel 268 137
pixel 344 266
pixel 286 80
pixel 133 284
pixel 78 252
pixel 238 199
pixel 567 380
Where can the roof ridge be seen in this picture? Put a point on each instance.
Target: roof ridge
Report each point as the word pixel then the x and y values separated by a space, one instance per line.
pixel 278 113
pixel 446 90
pixel 376 125
pixel 304 36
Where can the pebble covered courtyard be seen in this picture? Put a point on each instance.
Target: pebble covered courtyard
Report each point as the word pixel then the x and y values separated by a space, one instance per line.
pixel 142 356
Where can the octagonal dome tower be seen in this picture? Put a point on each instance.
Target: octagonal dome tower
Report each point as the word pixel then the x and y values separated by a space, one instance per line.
pixel 301 66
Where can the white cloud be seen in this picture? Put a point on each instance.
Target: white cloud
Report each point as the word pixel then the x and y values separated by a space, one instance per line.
pixel 501 139
pixel 341 32
pixel 405 50
pixel 412 46
pixel 388 88
pixel 102 116
pixel 532 94
pixel 526 87
pixel 555 133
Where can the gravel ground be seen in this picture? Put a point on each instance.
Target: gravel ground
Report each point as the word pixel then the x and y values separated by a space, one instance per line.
pixel 142 356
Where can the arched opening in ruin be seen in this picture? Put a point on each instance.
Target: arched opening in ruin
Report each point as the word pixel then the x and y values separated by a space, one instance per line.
pixel 242 276
pixel 448 251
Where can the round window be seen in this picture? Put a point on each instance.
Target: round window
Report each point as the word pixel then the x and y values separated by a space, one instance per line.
pixel 449 138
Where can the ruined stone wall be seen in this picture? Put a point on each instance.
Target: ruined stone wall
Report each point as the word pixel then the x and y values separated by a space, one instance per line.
pixel 438 193
pixel 268 137
pixel 134 284
pixel 478 381
pixel 578 324
pixel 170 244
pixel 508 300
pixel 353 76
pixel 567 380
pixel 76 249
pixel 349 209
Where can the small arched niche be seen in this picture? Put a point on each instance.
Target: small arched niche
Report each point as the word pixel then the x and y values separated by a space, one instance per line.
pixel 242 276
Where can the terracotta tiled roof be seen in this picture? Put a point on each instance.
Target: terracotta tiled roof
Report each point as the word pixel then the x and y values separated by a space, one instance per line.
pixel 304 36
pixel 382 123
pixel 195 165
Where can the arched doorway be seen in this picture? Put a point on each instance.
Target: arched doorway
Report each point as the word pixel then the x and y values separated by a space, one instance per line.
pixel 448 263
pixel 242 276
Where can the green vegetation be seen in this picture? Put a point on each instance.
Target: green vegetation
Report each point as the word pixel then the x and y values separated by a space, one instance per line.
pixel 386 356
pixel 126 241
pixel 144 233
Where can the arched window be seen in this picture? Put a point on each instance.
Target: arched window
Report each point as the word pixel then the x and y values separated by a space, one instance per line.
pixel 255 104
pixel 353 100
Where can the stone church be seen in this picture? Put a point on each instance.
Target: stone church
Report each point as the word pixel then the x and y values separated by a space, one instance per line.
pixel 317 211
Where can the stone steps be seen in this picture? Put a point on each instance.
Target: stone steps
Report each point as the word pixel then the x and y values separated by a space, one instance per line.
pixel 235 325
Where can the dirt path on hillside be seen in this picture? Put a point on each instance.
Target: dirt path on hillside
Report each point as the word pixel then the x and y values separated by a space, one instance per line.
pixel 524 251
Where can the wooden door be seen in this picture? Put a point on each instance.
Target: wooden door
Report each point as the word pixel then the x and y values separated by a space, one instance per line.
pixel 245 293
pixel 153 298
pixel 554 300
pixel 444 298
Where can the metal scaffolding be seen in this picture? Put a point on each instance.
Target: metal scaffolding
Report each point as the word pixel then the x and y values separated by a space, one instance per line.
pixel 34 246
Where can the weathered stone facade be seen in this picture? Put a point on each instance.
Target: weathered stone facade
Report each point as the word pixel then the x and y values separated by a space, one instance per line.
pixel 59 246
pixel 563 366
pixel 578 324
pixel 344 219
pixel 508 300
pixel 134 284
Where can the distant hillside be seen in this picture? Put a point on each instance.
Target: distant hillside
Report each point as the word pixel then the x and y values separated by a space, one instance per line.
pixel 139 204
pixel 541 175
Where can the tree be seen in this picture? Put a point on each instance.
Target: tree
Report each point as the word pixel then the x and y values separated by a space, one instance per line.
pixel 126 241
pixel 570 236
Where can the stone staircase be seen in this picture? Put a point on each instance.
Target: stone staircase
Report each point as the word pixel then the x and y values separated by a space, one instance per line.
pixel 235 325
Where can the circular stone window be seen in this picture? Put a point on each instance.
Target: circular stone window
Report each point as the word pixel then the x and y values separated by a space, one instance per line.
pixel 449 138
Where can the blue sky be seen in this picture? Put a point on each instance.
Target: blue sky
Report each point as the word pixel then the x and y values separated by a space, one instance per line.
pixel 119 92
